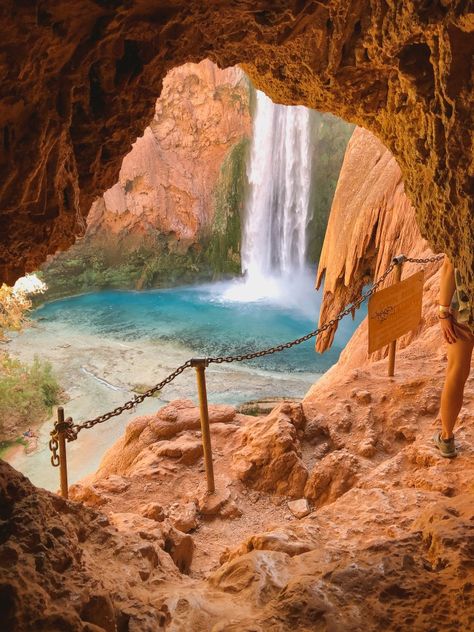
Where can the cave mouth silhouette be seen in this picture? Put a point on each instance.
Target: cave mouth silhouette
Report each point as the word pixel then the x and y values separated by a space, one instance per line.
pixel 82 84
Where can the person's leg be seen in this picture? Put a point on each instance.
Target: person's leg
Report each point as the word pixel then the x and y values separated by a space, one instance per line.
pixel 457 372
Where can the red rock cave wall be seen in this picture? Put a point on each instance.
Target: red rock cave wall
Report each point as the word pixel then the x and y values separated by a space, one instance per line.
pixel 80 80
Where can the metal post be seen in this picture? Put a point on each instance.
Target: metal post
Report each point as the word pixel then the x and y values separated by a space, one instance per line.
pixel 393 345
pixel 61 430
pixel 200 366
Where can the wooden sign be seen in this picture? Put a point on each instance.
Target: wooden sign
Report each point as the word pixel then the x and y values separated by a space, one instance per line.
pixel 394 311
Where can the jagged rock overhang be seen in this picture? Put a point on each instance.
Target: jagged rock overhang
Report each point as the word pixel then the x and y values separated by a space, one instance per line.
pixel 81 80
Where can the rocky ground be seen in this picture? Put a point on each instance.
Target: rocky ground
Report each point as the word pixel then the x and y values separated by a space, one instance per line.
pixel 387 542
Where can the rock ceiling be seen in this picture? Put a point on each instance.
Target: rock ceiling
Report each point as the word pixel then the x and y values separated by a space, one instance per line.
pixel 80 80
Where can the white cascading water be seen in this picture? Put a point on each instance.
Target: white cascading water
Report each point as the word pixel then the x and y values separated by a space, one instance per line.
pixel 279 174
pixel 277 210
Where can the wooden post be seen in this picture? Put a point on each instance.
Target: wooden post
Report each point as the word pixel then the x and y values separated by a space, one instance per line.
pixel 200 366
pixel 61 428
pixel 392 348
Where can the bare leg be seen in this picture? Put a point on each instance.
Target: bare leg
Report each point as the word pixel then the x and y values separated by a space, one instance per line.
pixel 459 366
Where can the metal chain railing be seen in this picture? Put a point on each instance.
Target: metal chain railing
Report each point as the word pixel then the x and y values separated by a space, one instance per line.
pixel 69 431
pixel 74 429
pixel 433 259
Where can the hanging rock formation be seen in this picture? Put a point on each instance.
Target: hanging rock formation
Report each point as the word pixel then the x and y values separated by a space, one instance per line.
pixel 80 82
pixel 371 221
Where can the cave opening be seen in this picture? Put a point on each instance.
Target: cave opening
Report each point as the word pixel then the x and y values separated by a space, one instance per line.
pixel 327 509
pixel 207 244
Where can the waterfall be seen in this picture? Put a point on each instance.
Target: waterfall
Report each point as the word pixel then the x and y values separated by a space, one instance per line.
pixel 277 210
pixel 279 174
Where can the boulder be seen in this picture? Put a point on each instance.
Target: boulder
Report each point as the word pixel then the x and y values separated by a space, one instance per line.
pixel 153 511
pixel 334 475
pixel 150 438
pixel 269 458
pixel 180 546
pixel 183 517
pixel 211 504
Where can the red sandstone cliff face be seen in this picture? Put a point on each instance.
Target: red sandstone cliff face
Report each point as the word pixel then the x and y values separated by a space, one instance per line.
pixel 167 182
pixel 371 221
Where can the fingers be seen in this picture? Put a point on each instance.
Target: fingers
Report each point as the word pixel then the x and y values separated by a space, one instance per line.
pixel 448 331
pixel 449 339
pixel 451 331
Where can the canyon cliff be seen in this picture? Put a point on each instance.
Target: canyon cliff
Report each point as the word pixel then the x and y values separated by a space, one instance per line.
pixel 371 221
pixel 168 180
pixel 174 213
pixel 336 514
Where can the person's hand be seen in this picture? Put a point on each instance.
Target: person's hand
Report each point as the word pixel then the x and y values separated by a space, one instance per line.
pixel 448 329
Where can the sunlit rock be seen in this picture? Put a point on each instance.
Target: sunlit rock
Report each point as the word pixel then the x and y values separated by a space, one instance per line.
pixel 269 458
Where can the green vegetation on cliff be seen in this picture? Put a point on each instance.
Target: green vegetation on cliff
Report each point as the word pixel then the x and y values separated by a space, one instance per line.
pixel 155 263
pixel 27 394
pixel 160 260
pixel 222 249
pixel 329 138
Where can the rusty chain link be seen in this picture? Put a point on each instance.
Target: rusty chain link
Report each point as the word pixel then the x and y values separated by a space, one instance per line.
pixel 54 447
pixel 72 430
pixel 433 259
pixel 65 427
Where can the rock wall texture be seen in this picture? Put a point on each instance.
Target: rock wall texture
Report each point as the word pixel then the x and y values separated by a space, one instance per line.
pixel 371 221
pixel 80 82
pixel 167 182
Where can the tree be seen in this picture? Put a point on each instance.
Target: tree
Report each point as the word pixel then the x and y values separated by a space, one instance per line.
pixel 15 302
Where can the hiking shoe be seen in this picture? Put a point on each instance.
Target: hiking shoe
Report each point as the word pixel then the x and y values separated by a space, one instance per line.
pixel 445 446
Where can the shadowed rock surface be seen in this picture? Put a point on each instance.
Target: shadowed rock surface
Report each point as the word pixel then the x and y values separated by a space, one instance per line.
pixel 81 79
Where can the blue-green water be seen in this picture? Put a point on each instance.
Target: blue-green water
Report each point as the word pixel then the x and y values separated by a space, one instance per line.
pixel 203 320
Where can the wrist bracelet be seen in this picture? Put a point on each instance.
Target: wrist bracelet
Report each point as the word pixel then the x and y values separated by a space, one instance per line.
pixel 444 317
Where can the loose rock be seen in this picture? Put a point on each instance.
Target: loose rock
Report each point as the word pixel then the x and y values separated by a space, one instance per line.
pixel 299 508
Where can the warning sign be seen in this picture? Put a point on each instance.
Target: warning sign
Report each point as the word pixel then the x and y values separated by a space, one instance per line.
pixel 394 311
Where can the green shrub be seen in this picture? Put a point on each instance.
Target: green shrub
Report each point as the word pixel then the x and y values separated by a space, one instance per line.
pixel 27 393
pixel 6 445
